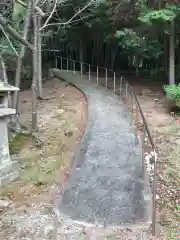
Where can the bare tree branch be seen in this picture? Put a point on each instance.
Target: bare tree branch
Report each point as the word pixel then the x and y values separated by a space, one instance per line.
pixel 37 2
pixel 9 41
pixel 7 27
pixel 50 16
pixel 72 18
pixel 3 70
pixel 37 8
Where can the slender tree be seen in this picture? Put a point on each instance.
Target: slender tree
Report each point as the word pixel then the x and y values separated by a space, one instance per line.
pixel 35 72
pixel 21 54
pixel 39 57
pixel 172 54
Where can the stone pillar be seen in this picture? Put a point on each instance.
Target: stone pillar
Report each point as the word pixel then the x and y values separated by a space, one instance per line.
pixel 9 170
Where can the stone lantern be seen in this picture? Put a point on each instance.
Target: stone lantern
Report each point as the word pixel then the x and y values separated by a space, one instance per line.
pixel 9 169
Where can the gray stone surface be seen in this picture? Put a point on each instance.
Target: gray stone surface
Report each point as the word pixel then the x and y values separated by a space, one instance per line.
pixel 6 112
pixel 9 170
pixel 5 87
pixel 106 184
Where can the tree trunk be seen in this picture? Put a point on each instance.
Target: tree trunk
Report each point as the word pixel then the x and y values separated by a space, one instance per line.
pixel 21 55
pixel 81 57
pixel 34 81
pixel 39 56
pixel 107 58
pixel 166 55
pixel 113 56
pixel 93 52
pixel 81 54
pixel 3 73
pixel 172 55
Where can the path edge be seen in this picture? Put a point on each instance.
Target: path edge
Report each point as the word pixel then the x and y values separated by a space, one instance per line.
pixel 146 186
pixel 56 74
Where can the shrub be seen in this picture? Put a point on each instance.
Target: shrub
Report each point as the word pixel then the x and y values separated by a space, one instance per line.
pixel 173 93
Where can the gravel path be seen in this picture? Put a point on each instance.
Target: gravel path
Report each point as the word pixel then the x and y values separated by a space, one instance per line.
pixel 106 185
pixel 106 195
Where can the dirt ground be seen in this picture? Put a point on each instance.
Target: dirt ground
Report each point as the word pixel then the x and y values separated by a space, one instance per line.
pixel 165 128
pixel 61 122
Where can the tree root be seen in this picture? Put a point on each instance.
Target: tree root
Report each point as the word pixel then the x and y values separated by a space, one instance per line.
pixel 45 98
pixel 37 141
pixel 15 126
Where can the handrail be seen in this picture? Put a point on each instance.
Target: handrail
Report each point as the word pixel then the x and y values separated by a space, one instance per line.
pixel 137 101
pixel 145 122
pixel 137 104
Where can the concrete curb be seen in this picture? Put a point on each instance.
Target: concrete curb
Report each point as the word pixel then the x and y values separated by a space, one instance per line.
pixel 85 136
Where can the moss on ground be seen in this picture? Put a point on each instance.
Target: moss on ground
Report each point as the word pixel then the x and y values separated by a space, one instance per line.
pixel 40 170
pixel 17 143
pixel 39 165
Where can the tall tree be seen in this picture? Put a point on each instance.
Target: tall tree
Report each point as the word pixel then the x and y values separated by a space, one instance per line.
pixel 21 54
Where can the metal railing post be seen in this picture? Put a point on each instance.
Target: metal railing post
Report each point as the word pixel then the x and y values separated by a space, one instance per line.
pixel 74 67
pixel 67 65
pixel 106 79
pixel 136 127
pixel 56 62
pixel 89 73
pixel 132 108
pixel 97 79
pixel 120 88
pixel 154 197
pixel 81 69
pixel 126 87
pixel 137 116
pixel 114 82
pixel 61 64
pixel 126 92
pixel 70 64
pixel 142 145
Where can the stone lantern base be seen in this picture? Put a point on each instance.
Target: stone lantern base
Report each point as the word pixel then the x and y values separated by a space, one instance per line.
pixel 9 172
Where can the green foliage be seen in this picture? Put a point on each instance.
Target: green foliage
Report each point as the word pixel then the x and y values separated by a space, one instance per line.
pixel 157 16
pixel 153 15
pixel 18 17
pixel 137 47
pixel 173 93
pixel 17 142
pixel 152 49
pixel 157 74
pixel 6 49
pixel 17 21
pixel 128 39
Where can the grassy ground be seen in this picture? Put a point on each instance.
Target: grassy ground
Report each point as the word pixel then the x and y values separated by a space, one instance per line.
pixel 61 122
pixel 165 128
